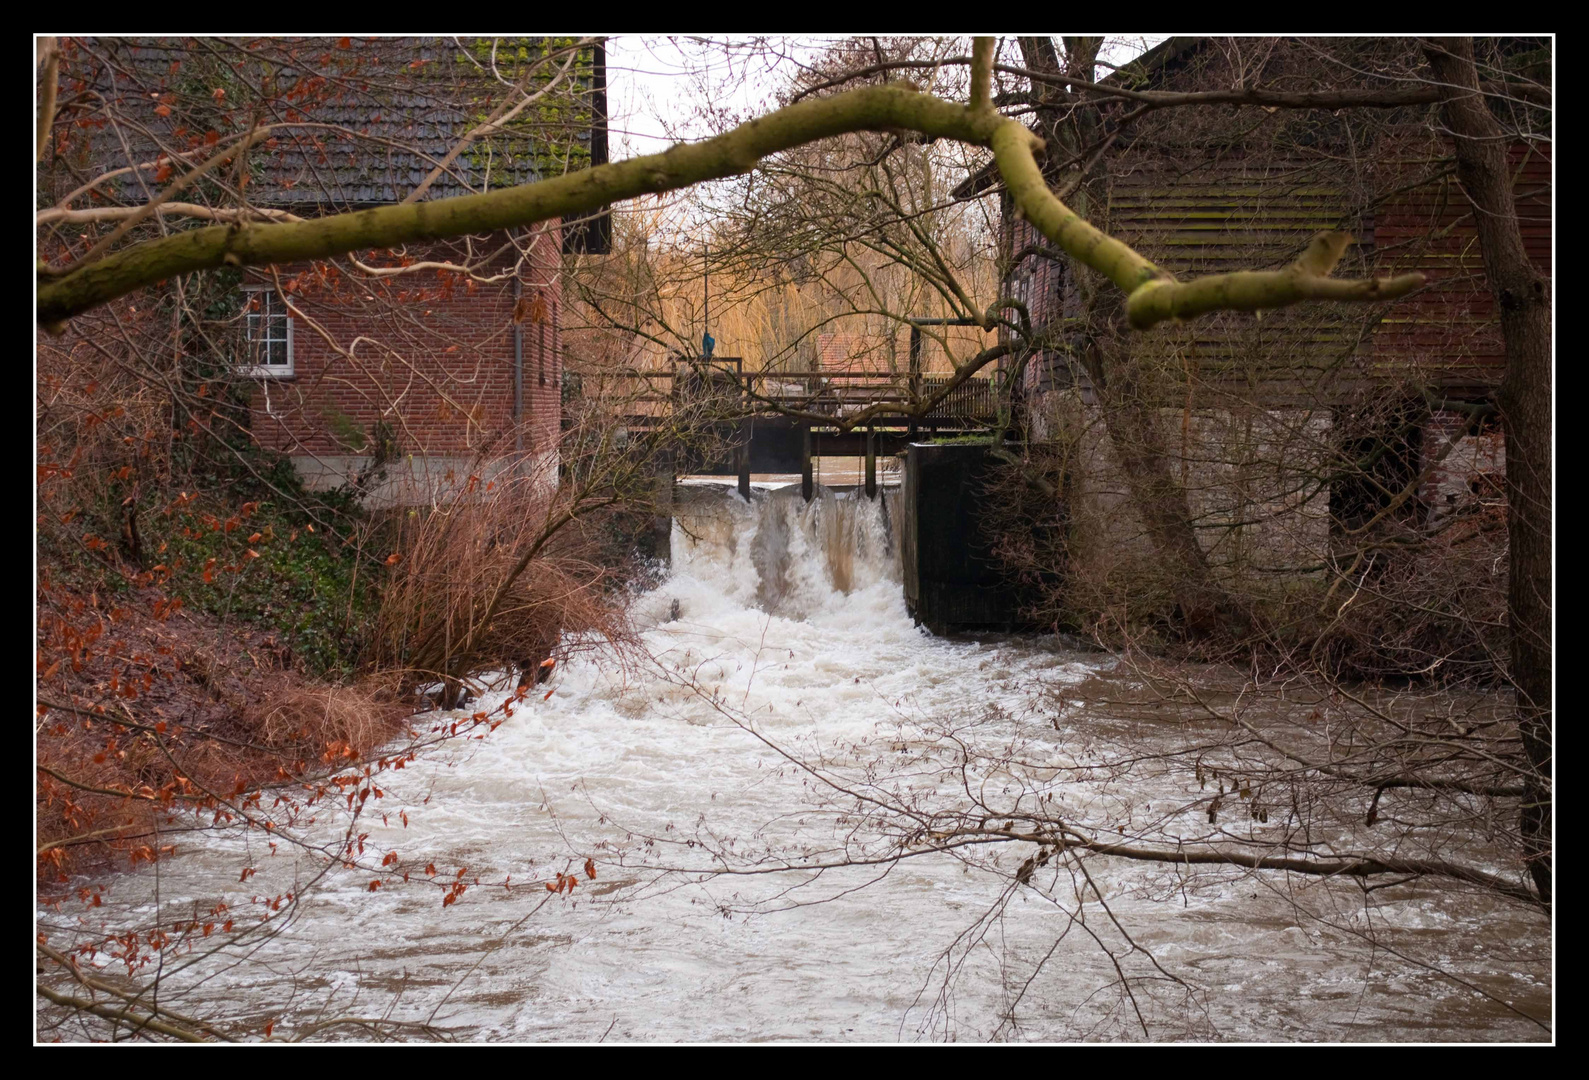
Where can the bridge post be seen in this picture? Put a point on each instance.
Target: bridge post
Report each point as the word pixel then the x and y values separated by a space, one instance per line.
pixel 871 462
pixel 915 373
pixel 742 459
pixel 663 480
pixel 805 462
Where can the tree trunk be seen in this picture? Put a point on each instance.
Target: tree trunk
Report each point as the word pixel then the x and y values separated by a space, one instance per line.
pixel 1069 128
pixel 1158 497
pixel 1523 296
pixel 1039 54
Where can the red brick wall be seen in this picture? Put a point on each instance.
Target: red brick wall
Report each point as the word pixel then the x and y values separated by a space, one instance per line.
pixel 1472 473
pixel 1450 332
pixel 429 353
pixel 1447 335
pixel 1038 282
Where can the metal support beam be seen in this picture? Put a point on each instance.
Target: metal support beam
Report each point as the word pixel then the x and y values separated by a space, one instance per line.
pixel 871 463
pixel 805 462
pixel 742 459
pixel 915 373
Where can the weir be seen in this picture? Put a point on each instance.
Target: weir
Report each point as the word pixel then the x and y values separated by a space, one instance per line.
pixel 925 537
pixel 777 421
pixel 783 555
pixel 782 679
pixel 936 539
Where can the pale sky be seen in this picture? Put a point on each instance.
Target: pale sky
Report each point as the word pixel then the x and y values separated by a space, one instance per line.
pixel 662 89
pixel 658 85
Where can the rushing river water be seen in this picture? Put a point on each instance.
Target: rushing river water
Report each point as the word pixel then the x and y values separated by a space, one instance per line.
pixel 780 634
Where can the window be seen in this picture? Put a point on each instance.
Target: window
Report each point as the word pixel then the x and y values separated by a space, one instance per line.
pixel 1021 287
pixel 1379 455
pixel 268 328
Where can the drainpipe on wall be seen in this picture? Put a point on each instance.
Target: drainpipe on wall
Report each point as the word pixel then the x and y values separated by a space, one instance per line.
pixel 518 368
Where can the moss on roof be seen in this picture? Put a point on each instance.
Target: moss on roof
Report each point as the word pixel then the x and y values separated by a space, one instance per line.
pixel 363 120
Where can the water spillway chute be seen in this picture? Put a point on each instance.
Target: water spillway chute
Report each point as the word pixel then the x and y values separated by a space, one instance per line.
pixel 781 554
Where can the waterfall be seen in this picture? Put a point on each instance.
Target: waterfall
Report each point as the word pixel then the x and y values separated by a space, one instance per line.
pixel 785 556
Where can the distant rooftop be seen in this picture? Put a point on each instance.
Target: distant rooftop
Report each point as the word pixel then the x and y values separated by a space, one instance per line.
pixel 365 120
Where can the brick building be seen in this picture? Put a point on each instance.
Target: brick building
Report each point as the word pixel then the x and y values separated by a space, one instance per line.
pixel 414 377
pixel 1212 189
pixel 398 370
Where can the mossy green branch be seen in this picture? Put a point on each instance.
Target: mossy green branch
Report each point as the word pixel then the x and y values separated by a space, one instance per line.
pixel 1154 295
pixel 1013 153
pixel 982 74
pixel 1259 290
pixel 876 108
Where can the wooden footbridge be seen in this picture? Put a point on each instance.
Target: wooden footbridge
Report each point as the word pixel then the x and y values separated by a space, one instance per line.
pixel 777 421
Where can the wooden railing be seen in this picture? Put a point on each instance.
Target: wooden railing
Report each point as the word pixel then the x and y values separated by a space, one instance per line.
pixel 723 386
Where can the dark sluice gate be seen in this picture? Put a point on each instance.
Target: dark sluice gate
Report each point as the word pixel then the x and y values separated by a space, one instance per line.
pixel 952 580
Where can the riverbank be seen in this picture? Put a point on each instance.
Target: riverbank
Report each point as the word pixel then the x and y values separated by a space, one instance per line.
pixel 769 805
pixel 147 706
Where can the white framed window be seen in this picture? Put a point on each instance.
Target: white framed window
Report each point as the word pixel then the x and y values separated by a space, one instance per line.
pixel 267 335
pixel 1021 289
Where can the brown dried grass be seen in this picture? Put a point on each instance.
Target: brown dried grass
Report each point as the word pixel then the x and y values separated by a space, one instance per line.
pixel 116 765
pixel 296 716
pixel 454 560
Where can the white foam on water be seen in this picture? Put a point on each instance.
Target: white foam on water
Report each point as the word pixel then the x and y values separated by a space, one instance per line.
pixel 790 621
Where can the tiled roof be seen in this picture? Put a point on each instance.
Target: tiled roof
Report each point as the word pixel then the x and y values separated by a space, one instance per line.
pixel 363 120
pixel 1138 74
